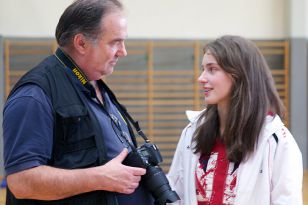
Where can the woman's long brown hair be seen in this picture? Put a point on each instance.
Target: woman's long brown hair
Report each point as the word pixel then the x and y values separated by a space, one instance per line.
pixel 253 95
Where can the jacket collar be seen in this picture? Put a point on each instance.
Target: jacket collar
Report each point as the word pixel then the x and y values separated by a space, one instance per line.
pixel 192 116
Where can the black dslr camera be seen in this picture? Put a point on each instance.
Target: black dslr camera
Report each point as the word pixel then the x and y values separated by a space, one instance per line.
pixel 148 156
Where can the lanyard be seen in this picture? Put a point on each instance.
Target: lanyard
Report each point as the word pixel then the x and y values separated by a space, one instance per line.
pixel 68 62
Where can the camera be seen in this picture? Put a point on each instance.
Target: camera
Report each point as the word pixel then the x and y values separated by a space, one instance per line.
pixel 148 156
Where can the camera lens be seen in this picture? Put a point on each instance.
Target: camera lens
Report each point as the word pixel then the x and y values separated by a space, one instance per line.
pixel 157 183
pixel 155 180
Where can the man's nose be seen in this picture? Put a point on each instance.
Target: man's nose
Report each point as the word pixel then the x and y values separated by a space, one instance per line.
pixel 122 50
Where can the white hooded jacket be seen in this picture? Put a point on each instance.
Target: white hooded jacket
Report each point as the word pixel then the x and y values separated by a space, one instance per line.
pixel 272 175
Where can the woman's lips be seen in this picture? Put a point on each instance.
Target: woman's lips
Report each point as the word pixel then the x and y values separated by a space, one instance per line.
pixel 207 91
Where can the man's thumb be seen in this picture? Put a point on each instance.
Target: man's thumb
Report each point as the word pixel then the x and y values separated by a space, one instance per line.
pixel 122 155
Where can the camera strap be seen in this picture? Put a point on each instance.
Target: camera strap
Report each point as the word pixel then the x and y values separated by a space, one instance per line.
pixel 123 110
pixel 68 62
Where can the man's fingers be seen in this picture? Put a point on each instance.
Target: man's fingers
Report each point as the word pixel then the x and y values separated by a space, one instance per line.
pixel 134 170
pixel 130 189
pixel 121 156
pixel 137 171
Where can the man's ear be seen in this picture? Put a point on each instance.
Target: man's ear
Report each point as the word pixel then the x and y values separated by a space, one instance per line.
pixel 80 43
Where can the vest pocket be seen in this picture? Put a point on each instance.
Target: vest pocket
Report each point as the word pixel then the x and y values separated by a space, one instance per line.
pixel 75 145
pixel 72 123
pixel 79 154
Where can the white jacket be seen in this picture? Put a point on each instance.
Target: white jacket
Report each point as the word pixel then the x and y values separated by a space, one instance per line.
pixel 272 175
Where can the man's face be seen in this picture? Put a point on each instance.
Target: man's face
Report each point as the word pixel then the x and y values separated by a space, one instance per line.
pixel 103 53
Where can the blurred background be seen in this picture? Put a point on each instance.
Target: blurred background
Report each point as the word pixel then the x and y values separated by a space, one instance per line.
pixel 157 80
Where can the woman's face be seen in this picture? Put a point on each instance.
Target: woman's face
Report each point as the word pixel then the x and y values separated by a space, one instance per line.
pixel 216 83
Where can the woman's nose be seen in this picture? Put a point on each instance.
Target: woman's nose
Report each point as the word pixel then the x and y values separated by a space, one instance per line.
pixel 202 78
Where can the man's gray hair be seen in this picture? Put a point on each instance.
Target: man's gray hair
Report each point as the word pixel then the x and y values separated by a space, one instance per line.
pixel 84 16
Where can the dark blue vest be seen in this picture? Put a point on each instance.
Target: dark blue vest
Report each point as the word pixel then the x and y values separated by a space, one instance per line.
pixel 78 141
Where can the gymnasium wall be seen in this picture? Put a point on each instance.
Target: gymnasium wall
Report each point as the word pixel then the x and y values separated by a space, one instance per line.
pixel 262 19
pixel 186 20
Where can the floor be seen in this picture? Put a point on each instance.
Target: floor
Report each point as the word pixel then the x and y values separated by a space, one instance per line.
pixel 305 188
pixel 305 191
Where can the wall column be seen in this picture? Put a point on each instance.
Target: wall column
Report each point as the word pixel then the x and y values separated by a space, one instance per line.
pixel 1 101
pixel 298 72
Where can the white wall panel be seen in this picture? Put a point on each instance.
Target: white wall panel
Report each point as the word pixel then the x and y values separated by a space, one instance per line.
pixel 159 19
pixel 30 18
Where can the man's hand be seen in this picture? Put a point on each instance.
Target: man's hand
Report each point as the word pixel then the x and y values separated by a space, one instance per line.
pixel 114 176
pixel 49 183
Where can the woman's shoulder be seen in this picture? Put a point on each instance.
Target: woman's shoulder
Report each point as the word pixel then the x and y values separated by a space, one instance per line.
pixel 275 127
pixel 273 124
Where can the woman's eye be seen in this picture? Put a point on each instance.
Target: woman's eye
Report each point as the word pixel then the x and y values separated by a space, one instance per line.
pixel 211 69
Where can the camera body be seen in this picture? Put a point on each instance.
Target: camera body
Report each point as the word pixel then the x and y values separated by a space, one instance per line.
pixel 148 156
pixel 144 156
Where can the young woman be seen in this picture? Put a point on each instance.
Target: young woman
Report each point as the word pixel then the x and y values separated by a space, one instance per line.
pixel 237 151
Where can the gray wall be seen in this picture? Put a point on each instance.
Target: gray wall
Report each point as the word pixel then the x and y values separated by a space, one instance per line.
pixel 1 103
pixel 298 95
pixel 298 91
